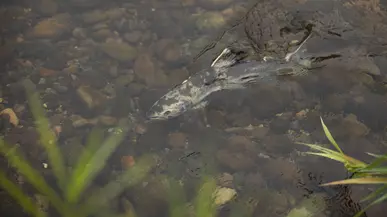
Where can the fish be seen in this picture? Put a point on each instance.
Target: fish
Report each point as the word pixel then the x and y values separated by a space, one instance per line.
pixel 228 71
pixel 190 94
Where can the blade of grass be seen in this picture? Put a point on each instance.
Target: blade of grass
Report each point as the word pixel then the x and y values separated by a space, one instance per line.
pixel 377 155
pixel 339 159
pixel 377 162
pixel 129 178
pixel 377 201
pixel 47 137
pixel 364 180
pixel 350 160
pixel 204 202
pixel 129 208
pixel 329 136
pixel 94 165
pixel 22 199
pixel 375 193
pixel 375 170
pixel 34 178
pixel 177 200
pixel 93 143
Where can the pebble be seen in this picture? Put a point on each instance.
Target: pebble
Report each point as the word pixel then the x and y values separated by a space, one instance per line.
pixel 79 33
pixel 120 51
pixel 91 97
pixel 133 37
pixel 177 140
pixel 260 132
pixel 52 27
pixel 93 17
pixel 102 34
pixel 59 88
pixel 145 70
pixel 124 80
pixel 168 50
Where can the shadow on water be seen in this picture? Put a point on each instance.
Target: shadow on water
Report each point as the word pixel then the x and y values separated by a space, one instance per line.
pixel 96 63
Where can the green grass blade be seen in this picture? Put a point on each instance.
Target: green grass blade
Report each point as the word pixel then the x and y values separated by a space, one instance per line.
pixel 363 180
pixel 346 159
pixel 339 159
pixel 375 170
pixel 47 137
pixel 204 202
pixel 375 193
pixel 177 200
pixel 114 188
pixel 377 162
pixel 93 143
pixel 377 201
pixel 377 155
pixel 32 176
pixel 22 199
pixel 330 137
pixel 94 165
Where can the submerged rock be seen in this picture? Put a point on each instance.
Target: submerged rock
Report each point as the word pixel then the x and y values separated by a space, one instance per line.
pixel 91 97
pixel 222 195
pixel 93 17
pixel 120 51
pixel 145 70
pixel 52 27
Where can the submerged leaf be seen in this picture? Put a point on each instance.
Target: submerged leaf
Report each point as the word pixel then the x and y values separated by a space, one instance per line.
pixel 375 193
pixel 16 160
pixel 377 201
pixel 114 188
pixel 94 165
pixel 47 137
pixel 22 199
pixel 204 202
pixel 92 145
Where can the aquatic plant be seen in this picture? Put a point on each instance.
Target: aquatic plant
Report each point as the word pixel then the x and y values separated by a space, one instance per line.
pixel 71 200
pixel 374 172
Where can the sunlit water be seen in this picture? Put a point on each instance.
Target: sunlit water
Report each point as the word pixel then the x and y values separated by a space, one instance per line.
pixel 105 61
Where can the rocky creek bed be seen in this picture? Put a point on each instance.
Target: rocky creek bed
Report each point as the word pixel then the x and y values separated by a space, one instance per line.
pixel 95 63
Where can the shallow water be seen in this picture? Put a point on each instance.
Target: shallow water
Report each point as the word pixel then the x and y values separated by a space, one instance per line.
pixel 95 63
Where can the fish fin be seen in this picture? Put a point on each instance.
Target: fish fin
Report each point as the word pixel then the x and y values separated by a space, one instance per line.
pixel 289 56
pixel 228 57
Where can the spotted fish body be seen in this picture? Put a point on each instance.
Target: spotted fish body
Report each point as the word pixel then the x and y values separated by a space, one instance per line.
pixel 267 72
pixel 185 96
pixel 227 72
pixel 191 93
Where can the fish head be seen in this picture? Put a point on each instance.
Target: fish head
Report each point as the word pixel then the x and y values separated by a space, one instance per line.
pixel 166 108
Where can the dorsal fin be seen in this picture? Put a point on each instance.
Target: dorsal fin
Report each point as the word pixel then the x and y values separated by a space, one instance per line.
pixel 228 57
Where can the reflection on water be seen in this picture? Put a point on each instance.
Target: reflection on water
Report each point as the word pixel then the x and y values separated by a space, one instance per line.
pixel 96 62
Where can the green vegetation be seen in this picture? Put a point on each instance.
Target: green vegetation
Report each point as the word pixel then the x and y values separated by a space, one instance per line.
pixel 364 173
pixel 72 200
